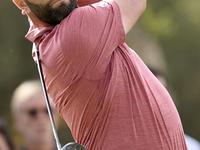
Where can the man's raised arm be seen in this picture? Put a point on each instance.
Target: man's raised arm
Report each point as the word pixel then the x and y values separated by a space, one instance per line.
pixel 130 11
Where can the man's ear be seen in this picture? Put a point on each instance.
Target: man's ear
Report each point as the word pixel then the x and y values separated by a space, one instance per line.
pixel 16 121
pixel 20 4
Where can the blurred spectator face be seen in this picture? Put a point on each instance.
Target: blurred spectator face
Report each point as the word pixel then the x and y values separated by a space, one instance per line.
pixel 33 121
pixel 3 143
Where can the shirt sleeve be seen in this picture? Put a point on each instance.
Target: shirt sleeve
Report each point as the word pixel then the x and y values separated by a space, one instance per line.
pixel 89 36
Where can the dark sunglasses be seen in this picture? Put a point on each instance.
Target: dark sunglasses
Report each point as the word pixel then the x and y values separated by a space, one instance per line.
pixel 34 112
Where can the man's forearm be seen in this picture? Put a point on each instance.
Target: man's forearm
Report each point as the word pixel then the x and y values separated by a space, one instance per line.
pixel 131 11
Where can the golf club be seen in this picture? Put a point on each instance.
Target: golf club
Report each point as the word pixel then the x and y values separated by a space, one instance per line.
pixel 71 145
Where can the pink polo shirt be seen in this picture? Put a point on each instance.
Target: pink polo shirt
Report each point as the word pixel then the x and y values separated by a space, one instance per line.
pixel 102 89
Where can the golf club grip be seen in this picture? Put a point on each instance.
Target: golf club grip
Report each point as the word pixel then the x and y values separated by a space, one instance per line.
pixel 73 146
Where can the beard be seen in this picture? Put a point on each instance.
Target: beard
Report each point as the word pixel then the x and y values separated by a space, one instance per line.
pixel 53 16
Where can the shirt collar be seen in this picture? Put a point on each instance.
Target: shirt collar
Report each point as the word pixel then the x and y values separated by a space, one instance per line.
pixel 35 33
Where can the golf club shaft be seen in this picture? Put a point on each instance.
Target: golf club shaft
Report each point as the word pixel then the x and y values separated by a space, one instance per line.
pixel 46 96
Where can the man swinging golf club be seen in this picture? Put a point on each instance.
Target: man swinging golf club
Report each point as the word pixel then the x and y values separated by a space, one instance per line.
pixel 102 89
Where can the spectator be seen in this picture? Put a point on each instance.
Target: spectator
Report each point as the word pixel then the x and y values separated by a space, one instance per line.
pixel 31 117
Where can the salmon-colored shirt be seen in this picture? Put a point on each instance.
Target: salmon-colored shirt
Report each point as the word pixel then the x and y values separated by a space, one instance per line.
pixel 102 89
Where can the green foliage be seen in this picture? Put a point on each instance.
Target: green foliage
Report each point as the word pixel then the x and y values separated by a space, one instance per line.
pixel 159 24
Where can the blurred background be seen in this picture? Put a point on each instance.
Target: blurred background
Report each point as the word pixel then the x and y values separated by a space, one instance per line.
pixel 166 37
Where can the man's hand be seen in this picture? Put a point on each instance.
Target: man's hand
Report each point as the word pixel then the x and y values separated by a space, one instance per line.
pixel 86 2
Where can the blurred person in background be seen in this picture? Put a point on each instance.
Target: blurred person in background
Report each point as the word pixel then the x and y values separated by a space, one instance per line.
pixel 31 117
pixel 192 144
pixel 5 139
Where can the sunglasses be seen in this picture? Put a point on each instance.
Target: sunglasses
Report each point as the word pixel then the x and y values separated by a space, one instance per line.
pixel 35 112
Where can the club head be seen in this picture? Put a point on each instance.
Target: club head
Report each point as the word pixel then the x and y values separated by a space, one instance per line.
pixel 73 146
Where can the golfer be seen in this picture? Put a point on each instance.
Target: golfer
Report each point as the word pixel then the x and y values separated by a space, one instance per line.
pixel 103 90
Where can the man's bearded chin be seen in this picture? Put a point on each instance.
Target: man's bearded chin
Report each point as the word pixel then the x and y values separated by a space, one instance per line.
pixel 53 16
